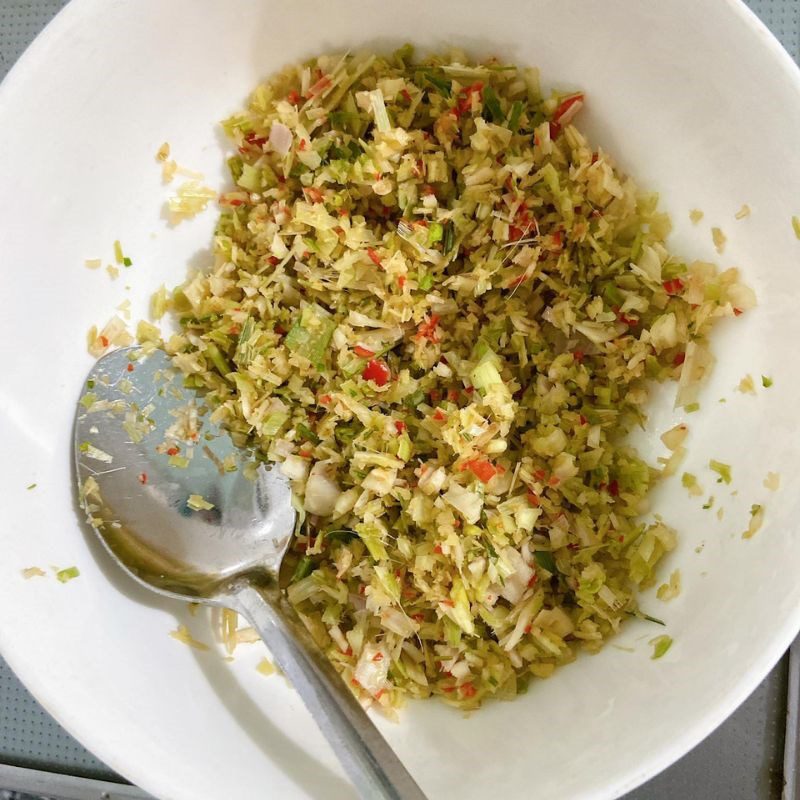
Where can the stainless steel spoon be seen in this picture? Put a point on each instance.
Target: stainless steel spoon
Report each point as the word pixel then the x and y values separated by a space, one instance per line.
pixel 154 478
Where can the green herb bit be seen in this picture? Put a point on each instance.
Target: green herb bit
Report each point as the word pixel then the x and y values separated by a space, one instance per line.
pixel 65 575
pixel 492 104
pixel 723 470
pixel 444 86
pixel 641 615
pixel 306 433
pixel 449 237
pixel 435 233
pixel 426 282
pixel 305 566
pixel 660 645
pixel 515 115
pixel 545 560
pixel 766 382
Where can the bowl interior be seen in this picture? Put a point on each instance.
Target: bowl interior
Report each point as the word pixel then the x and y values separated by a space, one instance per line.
pixel 698 104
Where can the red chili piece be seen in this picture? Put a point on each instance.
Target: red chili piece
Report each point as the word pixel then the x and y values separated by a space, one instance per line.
pixel 482 469
pixel 377 372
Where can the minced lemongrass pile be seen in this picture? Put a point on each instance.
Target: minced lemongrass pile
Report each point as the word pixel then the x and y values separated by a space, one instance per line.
pixel 440 309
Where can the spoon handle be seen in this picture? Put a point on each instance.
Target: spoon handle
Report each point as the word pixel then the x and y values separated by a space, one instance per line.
pixel 370 763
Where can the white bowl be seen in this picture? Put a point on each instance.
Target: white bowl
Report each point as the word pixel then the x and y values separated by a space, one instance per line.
pixel 696 99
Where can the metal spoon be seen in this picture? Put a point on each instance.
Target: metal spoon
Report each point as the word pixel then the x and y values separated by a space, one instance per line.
pixel 148 502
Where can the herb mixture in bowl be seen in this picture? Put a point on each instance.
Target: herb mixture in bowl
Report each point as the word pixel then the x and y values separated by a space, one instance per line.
pixel 441 310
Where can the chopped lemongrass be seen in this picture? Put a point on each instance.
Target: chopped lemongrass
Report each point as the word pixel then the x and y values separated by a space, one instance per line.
pixel 416 354
pixel 661 644
pixel 33 572
pixel 90 451
pixel 198 503
pixel 191 198
pixel 747 385
pixel 266 667
pixel 670 590
pixel 689 481
pixel 723 470
pixel 756 521
pixel 182 634
pixel 719 239
pixel 67 574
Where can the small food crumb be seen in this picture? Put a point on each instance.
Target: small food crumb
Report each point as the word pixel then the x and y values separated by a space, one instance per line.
pixel 182 635
pixel 67 574
pixel 772 481
pixel 756 521
pixel 93 263
pixel 747 385
pixel 670 589
pixel 112 271
pixel 33 572
pixel 266 667
pixel 720 513
pixel 719 239
pixel 660 645
pixel 695 215
pixel 163 152
pixel 90 451
pixel 723 470
pixel 114 332
pixel 191 198
pixel 699 548
pixel 118 256
pixel 125 308
pixel 160 303
pixel 743 212
pixel 796 226
pixel 31 486
pixel 709 503
pixel 198 503
pixel 247 635
pixel 671 464
pixel 674 437
pixel 690 408
pixel 689 482
pixel 766 382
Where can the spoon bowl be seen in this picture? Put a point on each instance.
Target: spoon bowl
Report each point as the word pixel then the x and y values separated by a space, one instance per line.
pixel 181 508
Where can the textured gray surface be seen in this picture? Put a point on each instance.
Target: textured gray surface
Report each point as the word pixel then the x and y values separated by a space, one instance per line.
pixel 740 761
